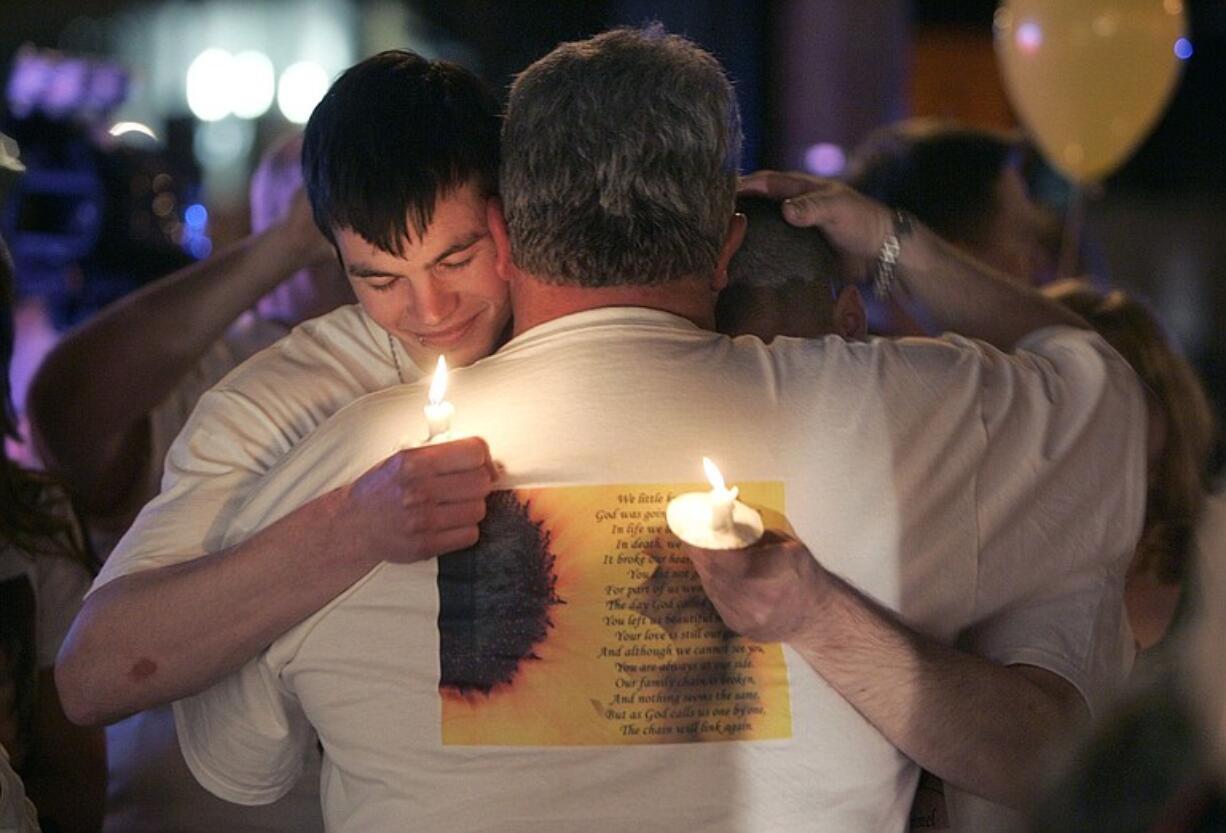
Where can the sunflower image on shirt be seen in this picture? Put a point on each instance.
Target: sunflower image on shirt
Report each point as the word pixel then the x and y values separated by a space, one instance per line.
pixel 576 621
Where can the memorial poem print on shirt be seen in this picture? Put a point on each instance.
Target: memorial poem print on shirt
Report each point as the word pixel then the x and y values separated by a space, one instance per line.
pixel 578 621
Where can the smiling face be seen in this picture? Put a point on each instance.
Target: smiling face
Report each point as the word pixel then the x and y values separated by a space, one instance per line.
pixel 443 296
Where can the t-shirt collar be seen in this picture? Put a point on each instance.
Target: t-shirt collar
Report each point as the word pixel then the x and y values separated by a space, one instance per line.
pixel 602 317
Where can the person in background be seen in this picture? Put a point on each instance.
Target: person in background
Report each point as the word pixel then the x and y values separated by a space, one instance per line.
pixel 110 397
pixel 44 572
pixel 1181 433
pixel 112 394
pixel 965 184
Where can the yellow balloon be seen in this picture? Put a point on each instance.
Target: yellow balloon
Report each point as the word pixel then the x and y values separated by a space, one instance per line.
pixel 1089 78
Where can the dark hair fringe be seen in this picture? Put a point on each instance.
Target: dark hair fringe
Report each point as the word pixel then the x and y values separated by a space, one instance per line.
pixel 394 133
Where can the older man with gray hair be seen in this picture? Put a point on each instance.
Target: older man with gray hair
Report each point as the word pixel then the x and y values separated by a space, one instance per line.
pixel 575 669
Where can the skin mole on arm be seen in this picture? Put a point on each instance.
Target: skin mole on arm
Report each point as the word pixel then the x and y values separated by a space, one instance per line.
pixel 143 669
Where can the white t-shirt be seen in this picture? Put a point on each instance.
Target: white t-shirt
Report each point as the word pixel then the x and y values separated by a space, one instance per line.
pixel 989 498
pixel 245 423
pixel 236 431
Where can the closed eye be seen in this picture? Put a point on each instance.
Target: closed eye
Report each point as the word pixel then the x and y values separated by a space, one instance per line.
pixel 456 264
pixel 384 286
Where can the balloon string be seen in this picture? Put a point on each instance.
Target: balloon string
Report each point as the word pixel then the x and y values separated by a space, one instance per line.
pixel 1070 240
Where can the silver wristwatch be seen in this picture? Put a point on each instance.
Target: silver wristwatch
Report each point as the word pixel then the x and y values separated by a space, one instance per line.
pixel 884 276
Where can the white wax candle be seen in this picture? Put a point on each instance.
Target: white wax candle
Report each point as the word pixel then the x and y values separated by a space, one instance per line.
pixel 714 520
pixel 722 499
pixel 438 410
pixel 438 420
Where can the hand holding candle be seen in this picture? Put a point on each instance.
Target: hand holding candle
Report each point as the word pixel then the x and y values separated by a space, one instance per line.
pixel 438 410
pixel 713 520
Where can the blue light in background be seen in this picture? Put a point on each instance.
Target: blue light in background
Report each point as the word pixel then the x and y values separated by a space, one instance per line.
pixel 196 240
pixel 1183 49
pixel 196 216
pixel 825 159
pixel 200 247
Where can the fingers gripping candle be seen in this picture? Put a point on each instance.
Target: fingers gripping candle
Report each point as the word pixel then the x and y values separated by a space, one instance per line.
pixel 438 410
pixel 714 520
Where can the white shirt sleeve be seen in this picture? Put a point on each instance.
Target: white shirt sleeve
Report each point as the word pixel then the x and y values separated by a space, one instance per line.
pixel 223 450
pixel 1060 500
pixel 1076 630
pixel 239 429
pixel 246 738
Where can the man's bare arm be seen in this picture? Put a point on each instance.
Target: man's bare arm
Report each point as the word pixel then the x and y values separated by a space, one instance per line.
pixel 162 634
pixel 950 288
pixel 90 402
pixel 980 726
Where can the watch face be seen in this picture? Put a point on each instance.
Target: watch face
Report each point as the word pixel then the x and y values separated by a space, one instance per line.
pixel 887 258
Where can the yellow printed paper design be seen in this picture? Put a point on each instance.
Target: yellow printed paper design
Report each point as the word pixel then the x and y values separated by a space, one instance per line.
pixel 577 621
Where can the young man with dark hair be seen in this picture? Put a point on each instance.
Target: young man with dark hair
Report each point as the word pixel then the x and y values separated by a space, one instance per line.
pixel 413 235
pixel 400 164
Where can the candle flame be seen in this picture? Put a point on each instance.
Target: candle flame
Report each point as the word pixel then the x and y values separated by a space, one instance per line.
pixel 713 475
pixel 438 385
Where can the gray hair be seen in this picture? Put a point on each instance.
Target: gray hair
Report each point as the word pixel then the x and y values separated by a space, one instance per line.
pixel 620 156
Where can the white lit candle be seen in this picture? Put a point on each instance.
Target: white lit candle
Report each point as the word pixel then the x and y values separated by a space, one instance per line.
pixel 714 520
pixel 722 500
pixel 438 410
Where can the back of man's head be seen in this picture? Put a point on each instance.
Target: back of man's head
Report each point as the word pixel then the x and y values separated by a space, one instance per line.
pixel 620 161
pixel 783 279
pixel 394 133
pixel 786 281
